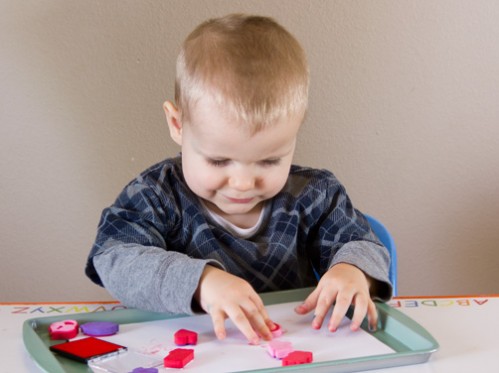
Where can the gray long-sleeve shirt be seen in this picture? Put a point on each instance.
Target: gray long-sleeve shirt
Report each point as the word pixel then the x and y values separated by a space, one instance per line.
pixel 153 243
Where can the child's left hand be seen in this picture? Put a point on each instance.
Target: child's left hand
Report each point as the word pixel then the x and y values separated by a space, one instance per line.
pixel 341 286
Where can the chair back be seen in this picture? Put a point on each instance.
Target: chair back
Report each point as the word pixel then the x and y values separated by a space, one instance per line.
pixel 386 239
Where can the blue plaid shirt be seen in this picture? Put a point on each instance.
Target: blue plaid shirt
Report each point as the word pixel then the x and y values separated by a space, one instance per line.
pixel 153 243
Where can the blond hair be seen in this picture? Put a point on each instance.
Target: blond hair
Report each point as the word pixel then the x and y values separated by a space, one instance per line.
pixel 250 65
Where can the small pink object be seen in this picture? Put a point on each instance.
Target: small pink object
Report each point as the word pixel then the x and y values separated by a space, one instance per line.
pixel 185 337
pixel 100 328
pixel 276 330
pixel 297 357
pixel 178 358
pixel 66 329
pixel 279 349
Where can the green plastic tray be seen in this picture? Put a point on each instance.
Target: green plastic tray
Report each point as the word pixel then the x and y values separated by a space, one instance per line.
pixel 411 342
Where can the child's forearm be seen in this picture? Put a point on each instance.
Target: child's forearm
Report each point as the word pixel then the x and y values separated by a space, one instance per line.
pixel 373 260
pixel 150 278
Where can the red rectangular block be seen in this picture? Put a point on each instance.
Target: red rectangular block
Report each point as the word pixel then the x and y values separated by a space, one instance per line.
pixel 297 357
pixel 178 358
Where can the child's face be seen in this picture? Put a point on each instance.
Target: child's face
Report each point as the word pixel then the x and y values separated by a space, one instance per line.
pixel 230 169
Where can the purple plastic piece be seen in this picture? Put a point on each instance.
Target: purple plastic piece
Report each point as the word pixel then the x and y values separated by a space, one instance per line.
pixel 99 328
pixel 144 370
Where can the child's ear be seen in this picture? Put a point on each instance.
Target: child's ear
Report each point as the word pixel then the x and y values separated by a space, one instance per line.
pixel 174 121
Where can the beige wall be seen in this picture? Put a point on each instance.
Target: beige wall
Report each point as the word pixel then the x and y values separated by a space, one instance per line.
pixel 404 109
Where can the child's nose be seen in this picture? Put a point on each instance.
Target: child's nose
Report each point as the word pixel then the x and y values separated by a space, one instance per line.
pixel 242 181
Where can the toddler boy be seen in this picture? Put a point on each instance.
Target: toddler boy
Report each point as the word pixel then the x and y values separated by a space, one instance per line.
pixel 231 216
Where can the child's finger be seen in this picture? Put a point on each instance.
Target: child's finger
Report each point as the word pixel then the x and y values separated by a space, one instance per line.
pixel 340 309
pixel 240 320
pixel 372 316
pixel 218 321
pixel 360 310
pixel 324 304
pixel 260 319
pixel 261 327
pixel 309 303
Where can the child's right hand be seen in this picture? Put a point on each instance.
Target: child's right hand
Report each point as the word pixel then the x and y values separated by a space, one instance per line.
pixel 223 295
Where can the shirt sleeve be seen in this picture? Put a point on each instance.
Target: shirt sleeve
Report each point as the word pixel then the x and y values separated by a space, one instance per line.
pixel 132 260
pixel 344 236
pixel 372 259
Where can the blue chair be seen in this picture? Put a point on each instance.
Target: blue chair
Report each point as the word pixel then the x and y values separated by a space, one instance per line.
pixel 386 239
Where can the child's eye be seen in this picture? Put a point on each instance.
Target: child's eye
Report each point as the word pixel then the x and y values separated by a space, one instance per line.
pixel 271 162
pixel 218 162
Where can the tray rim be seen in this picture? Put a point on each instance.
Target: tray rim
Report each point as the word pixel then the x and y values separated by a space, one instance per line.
pixel 39 351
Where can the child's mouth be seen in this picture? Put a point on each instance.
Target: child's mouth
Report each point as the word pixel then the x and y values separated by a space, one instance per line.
pixel 240 200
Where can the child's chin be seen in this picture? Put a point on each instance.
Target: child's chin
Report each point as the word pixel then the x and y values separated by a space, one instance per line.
pixel 238 209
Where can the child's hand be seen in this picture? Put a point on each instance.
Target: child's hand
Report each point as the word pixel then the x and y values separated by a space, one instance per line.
pixel 223 295
pixel 341 286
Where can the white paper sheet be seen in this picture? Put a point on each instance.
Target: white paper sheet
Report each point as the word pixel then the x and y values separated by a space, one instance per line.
pixel 234 354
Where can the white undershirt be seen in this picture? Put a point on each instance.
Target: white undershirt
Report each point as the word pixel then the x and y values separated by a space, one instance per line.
pixel 234 229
